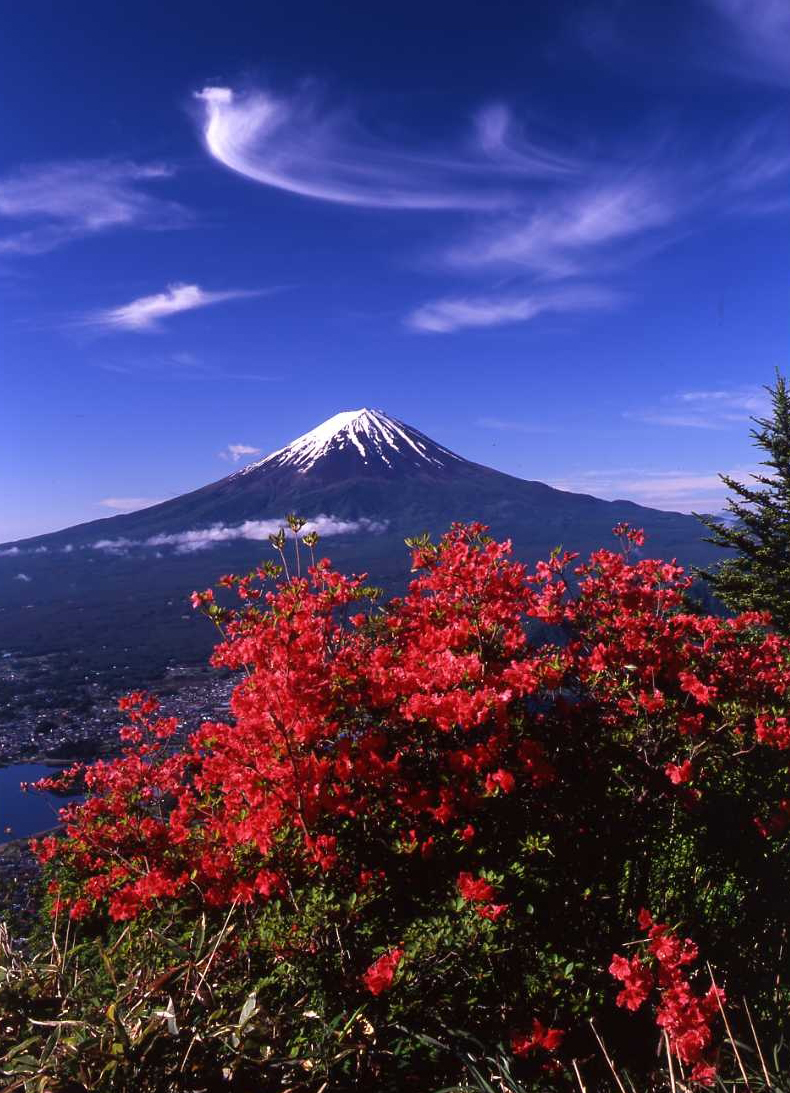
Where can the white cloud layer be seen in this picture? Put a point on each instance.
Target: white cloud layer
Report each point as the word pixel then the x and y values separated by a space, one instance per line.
pixel 294 144
pixel 55 203
pixel 456 313
pixel 235 452
pixel 147 312
pixel 188 542
pixel 23 577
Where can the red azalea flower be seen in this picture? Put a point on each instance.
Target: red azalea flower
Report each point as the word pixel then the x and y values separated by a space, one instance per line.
pixel 540 1037
pixel 378 978
pixel 679 775
pixel 475 890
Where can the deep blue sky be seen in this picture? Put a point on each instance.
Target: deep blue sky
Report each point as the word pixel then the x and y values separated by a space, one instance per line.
pixel 552 236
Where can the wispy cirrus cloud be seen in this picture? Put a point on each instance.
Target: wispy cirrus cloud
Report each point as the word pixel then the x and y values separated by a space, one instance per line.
pixel 23 577
pixel 504 425
pixel 460 312
pixel 603 220
pixel 147 312
pixel 555 240
pixel 44 206
pixel 537 211
pixel 129 504
pixel 235 452
pixel 132 362
pixel 717 409
pixel 295 144
pixel 593 230
pixel 758 36
pixel 676 490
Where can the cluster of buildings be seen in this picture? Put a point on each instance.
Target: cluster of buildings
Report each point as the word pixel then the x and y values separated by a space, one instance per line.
pixel 40 718
pixel 19 877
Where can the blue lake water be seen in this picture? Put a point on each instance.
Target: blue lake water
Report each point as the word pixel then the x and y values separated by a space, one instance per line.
pixel 26 813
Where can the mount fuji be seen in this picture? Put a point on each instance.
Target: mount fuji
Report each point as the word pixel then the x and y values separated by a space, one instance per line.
pixel 114 590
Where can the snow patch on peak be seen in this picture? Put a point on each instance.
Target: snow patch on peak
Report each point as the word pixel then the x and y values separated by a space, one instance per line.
pixel 374 435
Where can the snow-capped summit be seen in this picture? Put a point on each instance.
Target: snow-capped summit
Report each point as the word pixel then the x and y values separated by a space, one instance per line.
pixel 368 438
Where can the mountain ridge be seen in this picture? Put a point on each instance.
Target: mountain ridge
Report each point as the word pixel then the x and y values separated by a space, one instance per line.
pixel 113 593
pixel 342 459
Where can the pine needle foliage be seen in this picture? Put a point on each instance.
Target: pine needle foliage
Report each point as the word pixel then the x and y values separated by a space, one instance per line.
pixel 756 577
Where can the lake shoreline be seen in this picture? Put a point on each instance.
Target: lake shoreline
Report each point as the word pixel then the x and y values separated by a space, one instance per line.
pixel 24 814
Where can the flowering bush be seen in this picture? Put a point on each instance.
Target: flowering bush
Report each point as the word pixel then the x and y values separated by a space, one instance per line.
pixel 422 818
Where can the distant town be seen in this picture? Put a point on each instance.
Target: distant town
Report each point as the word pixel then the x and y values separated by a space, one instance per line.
pixel 42 720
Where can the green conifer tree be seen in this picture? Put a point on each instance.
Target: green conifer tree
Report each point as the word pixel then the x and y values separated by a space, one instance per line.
pixel 756 577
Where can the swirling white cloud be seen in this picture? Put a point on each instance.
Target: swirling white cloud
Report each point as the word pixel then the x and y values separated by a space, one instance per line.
pixel 291 144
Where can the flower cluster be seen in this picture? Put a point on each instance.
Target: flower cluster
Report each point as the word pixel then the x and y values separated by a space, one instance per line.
pixel 482 895
pixel 684 1015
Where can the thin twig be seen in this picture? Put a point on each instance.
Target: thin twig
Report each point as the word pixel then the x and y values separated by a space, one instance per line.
pixel 757 1045
pixel 670 1064
pixel 729 1030
pixel 777 984
pixel 192 1043
pixel 616 1076
pixel 582 1086
pixel 220 936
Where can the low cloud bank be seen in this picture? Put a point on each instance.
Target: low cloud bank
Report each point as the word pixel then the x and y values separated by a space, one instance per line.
pixel 188 542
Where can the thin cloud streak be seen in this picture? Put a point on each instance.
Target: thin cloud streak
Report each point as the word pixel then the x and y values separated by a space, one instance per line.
pixel 718 409
pixel 147 312
pixel 551 240
pixel 129 504
pixel 292 145
pixel 673 490
pixel 447 315
pixel 56 203
pixel 502 425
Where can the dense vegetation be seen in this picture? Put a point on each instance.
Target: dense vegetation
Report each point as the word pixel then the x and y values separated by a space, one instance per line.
pixel 424 831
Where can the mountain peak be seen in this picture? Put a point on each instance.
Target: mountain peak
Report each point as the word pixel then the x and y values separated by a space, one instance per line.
pixel 366 437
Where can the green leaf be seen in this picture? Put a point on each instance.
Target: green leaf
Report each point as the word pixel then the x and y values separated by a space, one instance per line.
pixel 248 1009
